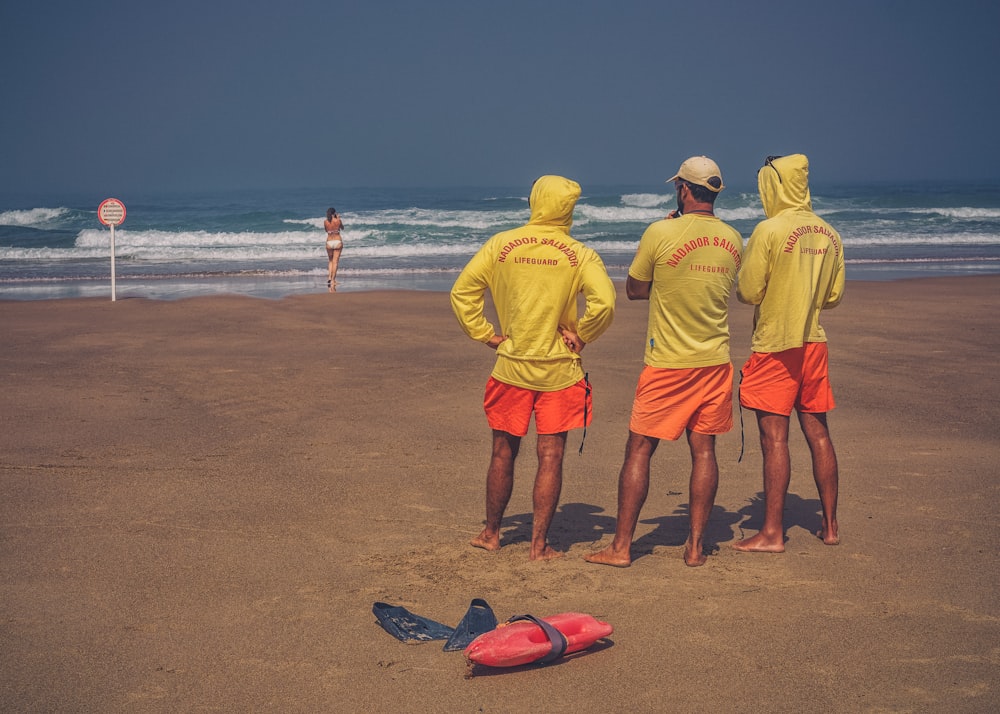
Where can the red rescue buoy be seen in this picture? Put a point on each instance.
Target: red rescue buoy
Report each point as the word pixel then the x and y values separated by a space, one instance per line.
pixel 523 639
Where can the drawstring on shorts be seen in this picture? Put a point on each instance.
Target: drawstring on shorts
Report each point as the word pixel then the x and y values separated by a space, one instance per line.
pixel 739 401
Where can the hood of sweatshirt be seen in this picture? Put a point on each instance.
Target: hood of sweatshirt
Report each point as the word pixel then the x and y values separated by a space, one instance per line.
pixel 552 201
pixel 783 184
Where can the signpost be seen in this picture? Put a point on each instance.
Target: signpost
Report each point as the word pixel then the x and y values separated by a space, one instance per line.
pixel 111 212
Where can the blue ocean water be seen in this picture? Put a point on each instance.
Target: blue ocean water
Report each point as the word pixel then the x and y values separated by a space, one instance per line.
pixel 270 243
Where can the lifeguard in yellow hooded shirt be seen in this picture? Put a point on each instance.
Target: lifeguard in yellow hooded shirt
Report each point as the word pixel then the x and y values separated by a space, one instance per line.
pixel 793 268
pixel 534 274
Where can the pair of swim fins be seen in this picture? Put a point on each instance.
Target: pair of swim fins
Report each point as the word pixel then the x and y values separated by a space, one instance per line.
pixel 407 627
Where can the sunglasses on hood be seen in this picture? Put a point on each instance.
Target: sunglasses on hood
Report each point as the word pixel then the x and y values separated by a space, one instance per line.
pixel 769 161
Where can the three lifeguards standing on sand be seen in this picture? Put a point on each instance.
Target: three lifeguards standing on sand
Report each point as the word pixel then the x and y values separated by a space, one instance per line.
pixel 686 386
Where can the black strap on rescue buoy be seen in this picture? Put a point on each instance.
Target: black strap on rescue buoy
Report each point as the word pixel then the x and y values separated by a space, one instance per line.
pixel 557 638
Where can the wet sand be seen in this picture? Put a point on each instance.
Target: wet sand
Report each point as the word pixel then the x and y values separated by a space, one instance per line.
pixel 203 498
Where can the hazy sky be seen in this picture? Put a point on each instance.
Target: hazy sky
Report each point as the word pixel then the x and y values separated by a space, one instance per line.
pixel 113 96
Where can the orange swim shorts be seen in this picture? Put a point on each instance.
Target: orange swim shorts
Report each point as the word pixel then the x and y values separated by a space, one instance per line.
pixel 509 408
pixel 669 401
pixel 779 382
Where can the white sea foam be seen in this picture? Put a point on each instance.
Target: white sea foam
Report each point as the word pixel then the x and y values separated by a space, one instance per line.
pixel 33 217
pixel 937 239
pixel 744 213
pixel 647 200
pixel 607 247
pixel 161 246
pixel 586 214
pixel 926 261
pixel 636 208
pixel 960 213
pixel 965 213
pixel 316 223
pixel 472 220
pixel 205 240
pixel 187 239
pixel 51 255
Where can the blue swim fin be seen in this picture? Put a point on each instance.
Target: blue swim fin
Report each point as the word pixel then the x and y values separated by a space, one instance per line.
pixel 479 618
pixel 407 627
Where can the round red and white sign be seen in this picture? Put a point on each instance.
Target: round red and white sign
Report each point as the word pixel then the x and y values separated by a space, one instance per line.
pixel 111 212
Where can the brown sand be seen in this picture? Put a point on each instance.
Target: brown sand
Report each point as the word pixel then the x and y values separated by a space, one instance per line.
pixel 203 498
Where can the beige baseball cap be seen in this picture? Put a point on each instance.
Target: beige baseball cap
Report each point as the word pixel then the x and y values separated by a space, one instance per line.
pixel 702 171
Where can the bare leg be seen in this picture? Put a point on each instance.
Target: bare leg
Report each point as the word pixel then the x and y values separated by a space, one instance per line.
pixel 777 473
pixel 633 487
pixel 545 497
pixel 332 270
pixel 703 486
pixel 825 472
pixel 499 485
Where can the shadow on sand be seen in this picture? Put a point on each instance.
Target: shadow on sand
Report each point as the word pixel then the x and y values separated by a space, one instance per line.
pixel 586 523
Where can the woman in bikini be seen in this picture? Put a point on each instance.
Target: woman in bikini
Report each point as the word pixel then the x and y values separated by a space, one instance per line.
pixel 334 244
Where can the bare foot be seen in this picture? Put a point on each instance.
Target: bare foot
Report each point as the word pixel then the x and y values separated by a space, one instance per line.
pixel 760 544
pixel 486 541
pixel 545 554
pixel 609 556
pixel 829 535
pixel 693 557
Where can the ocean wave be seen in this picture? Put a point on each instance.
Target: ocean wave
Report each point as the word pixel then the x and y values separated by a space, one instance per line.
pixel 924 260
pixel 156 246
pixel 964 213
pixel 647 200
pixel 586 214
pixel 493 221
pixel 125 239
pixel 608 247
pixel 249 273
pixel 899 213
pixel 634 208
pixel 904 239
pixel 33 217
pixel 746 213
pixel 473 220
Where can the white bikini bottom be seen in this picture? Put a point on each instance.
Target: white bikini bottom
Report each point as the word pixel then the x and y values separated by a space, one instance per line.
pixel 334 244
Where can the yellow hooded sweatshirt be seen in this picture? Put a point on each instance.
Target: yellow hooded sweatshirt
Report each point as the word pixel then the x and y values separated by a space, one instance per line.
pixel 534 274
pixel 793 266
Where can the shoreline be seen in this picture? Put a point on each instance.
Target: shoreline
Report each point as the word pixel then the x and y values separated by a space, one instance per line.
pixel 276 287
pixel 203 498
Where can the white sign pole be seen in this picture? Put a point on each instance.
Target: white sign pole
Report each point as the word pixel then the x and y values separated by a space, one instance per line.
pixel 112 262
